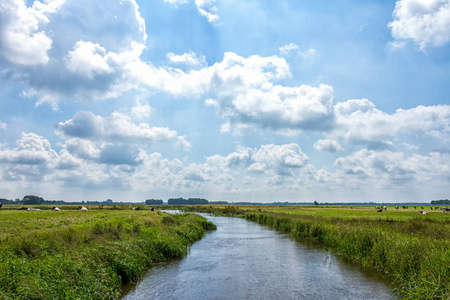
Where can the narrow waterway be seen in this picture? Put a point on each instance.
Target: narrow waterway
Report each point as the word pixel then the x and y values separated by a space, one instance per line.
pixel 244 260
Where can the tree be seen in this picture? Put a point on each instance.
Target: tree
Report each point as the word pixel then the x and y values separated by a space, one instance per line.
pixel 316 203
pixel 153 202
pixel 32 200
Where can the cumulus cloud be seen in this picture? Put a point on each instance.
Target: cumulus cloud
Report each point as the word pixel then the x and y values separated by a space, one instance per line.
pixel 246 96
pixel 328 145
pixel 32 149
pixel 23 38
pixel 117 128
pixel 79 61
pixel 387 168
pixel 88 59
pixel 359 122
pixel 426 22
pixel 268 159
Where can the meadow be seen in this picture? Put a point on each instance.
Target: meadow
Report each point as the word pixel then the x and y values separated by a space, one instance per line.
pixel 410 249
pixel 70 254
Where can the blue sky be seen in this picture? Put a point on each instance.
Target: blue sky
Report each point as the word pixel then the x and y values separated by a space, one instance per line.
pixel 262 101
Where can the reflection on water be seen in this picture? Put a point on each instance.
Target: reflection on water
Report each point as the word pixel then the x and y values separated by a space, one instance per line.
pixel 243 260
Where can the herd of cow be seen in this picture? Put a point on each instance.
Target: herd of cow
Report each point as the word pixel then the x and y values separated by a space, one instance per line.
pixel 422 212
pixel 54 208
pixel 378 208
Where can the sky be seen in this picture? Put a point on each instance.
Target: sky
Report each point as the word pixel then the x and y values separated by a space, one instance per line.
pixel 228 100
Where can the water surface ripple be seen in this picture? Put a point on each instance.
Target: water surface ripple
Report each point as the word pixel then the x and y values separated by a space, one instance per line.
pixel 244 260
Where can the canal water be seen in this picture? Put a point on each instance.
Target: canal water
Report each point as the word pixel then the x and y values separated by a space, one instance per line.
pixel 244 260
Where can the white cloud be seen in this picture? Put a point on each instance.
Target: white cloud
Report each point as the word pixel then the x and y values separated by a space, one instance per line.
pixel 426 22
pixel 268 159
pixel 208 9
pixel 183 143
pixel 176 3
pixel 387 169
pixel 22 38
pixel 32 149
pixel 328 145
pixel 3 126
pixel 88 59
pixel 97 52
pixel 287 49
pixel 359 122
pixel 141 110
pixel 115 128
pixel 190 59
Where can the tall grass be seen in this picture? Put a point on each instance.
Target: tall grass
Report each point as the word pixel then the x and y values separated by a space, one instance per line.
pixel 87 255
pixel 412 250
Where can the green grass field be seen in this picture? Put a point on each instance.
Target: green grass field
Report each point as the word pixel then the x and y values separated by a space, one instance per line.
pixel 410 249
pixel 70 254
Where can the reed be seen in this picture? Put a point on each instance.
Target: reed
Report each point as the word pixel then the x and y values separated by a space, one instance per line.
pixel 87 255
pixel 411 250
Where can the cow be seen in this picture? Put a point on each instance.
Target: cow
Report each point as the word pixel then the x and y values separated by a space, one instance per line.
pixel 423 212
pixel 444 209
pixel 54 208
pixel 136 208
pixel 152 209
pixel 379 210
pixel 385 208
pixel 82 208
pixel 1 204
pixel 23 208
pixel 396 207
pixel 33 209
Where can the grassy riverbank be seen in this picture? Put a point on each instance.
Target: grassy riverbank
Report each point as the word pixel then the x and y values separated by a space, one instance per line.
pixel 412 250
pixel 71 254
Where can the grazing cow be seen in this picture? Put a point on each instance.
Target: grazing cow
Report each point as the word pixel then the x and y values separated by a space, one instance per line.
pixel 1 204
pixel 423 212
pixel 152 209
pixel 396 207
pixel 421 207
pixel 379 210
pixel 385 208
pixel 351 207
pixel 33 209
pixel 136 208
pixel 404 207
pixel 55 208
pixel 437 207
pixel 23 208
pixel 414 207
pixel 444 209
pixel 376 207
pixel 82 208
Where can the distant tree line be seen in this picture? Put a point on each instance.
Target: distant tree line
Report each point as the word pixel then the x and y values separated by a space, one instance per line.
pixel 175 201
pixel 440 202
pixel 30 200
pixel 153 202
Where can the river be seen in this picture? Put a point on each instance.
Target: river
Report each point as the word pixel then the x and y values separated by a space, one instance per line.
pixel 244 260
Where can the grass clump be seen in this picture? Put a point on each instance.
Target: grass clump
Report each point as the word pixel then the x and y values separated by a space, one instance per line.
pixel 87 255
pixel 411 250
